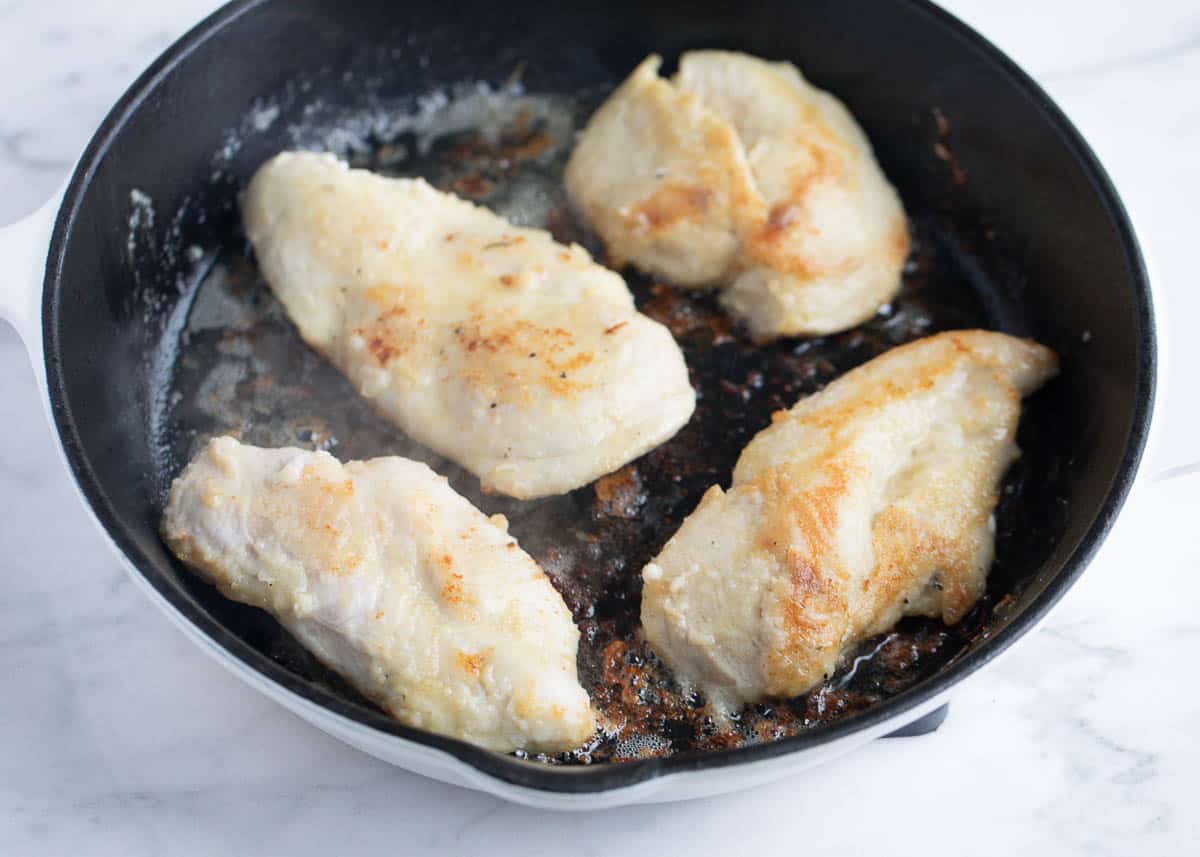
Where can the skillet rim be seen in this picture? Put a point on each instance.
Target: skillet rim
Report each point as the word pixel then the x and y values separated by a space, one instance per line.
pixel 601 778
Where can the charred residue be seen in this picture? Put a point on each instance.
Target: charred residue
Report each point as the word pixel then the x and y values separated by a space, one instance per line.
pixel 242 369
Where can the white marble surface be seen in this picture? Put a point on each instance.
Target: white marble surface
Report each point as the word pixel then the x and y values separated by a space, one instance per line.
pixel 117 737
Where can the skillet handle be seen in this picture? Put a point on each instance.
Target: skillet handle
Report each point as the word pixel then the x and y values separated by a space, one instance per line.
pixel 23 249
pixel 922 725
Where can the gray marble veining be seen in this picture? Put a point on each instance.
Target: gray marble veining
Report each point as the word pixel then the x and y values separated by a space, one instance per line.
pixel 118 737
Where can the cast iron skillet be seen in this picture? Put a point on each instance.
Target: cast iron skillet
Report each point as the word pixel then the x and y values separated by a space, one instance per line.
pixel 1017 228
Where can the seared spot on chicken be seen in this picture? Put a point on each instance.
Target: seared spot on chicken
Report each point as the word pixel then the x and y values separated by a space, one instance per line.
pixel 668 205
pixel 393 580
pixel 474 663
pixel 868 501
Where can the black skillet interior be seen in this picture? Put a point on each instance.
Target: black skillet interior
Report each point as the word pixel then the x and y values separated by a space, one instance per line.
pixel 1016 228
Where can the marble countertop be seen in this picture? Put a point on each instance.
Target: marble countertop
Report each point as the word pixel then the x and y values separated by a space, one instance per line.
pixel 118 737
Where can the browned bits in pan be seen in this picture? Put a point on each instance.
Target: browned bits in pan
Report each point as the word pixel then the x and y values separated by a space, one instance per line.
pixel 620 494
pixel 242 369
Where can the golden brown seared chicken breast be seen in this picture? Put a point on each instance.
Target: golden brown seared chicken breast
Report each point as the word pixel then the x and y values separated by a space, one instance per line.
pixel 738 173
pixel 516 356
pixel 866 502
pixel 663 180
pixel 393 580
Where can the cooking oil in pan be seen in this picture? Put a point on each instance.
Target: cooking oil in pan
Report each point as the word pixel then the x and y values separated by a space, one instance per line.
pixel 238 367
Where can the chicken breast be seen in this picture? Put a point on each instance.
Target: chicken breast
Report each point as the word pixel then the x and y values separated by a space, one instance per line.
pixel 740 174
pixel 866 502
pixel 663 180
pixel 395 581
pixel 517 357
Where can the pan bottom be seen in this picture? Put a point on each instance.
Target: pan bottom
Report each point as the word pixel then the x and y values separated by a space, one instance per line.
pixel 238 367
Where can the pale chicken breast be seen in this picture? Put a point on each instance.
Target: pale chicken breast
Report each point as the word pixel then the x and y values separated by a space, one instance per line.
pixel 740 174
pixel 663 180
pixel 866 502
pixel 395 581
pixel 516 356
